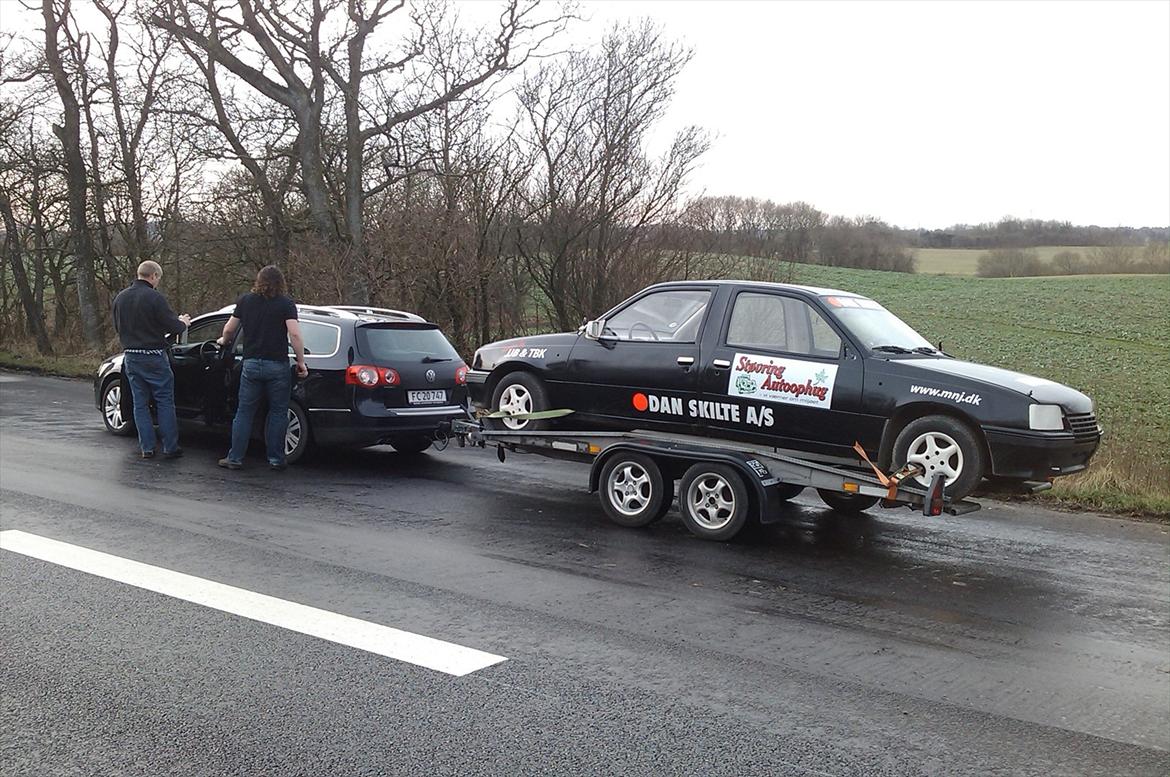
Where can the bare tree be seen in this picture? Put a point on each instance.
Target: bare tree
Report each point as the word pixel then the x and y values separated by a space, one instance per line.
pixel 56 15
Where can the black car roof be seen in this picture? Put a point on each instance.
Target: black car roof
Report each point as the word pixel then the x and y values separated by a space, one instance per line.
pixel 815 290
pixel 358 314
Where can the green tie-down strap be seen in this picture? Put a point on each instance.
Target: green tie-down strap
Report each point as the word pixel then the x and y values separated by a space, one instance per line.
pixel 539 415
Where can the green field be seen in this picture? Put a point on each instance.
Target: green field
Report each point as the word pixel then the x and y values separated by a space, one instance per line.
pixel 965 261
pixel 1104 335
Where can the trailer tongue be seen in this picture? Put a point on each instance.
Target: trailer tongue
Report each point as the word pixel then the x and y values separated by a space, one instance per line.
pixel 722 484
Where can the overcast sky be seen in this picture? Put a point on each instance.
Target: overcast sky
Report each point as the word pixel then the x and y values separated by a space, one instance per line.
pixel 929 113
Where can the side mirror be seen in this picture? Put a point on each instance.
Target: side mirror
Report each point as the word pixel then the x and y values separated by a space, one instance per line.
pixel 594 329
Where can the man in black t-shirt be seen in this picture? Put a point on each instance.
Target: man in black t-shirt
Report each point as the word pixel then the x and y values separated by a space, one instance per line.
pixel 269 319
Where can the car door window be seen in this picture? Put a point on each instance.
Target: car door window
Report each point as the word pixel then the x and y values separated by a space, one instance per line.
pixel 663 316
pixel 772 322
pixel 202 331
pixel 320 339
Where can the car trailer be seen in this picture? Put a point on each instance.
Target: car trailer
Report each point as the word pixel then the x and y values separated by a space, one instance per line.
pixel 723 484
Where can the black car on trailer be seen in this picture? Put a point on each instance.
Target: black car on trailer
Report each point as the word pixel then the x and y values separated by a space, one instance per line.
pixel 375 376
pixel 805 370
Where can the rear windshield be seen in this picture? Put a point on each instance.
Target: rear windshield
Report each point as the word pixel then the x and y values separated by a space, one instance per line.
pixel 404 343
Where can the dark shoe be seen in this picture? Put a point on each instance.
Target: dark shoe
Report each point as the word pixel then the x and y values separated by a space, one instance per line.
pixel 281 467
pixel 227 463
pixel 146 454
pixel 176 453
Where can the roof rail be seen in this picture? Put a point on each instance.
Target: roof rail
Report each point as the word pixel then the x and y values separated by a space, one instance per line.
pixel 379 312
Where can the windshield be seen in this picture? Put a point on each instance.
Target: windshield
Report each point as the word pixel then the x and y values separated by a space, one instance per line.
pixel 873 325
pixel 399 343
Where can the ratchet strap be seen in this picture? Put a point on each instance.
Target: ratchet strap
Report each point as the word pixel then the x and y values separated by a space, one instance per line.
pixel 891 482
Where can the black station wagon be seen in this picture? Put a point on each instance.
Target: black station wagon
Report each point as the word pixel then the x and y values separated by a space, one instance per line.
pixel 375 376
pixel 797 368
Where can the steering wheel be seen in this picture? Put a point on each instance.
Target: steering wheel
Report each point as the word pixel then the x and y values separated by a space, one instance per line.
pixel 208 351
pixel 642 325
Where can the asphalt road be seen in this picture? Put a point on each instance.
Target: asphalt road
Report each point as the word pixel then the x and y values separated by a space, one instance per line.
pixel 1015 640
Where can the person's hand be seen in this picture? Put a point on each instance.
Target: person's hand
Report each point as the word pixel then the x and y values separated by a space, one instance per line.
pixel 302 370
pixel 186 319
pixel 220 342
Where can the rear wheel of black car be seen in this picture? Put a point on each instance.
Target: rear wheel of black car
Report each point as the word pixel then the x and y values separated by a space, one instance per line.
pixel 849 504
pixel 786 491
pixel 519 393
pixel 714 501
pixel 943 444
pixel 113 415
pixel 297 440
pixel 633 490
pixel 411 444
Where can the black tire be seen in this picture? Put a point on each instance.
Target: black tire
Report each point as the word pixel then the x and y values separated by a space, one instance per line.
pixel 632 490
pixel 297 419
pixel 968 462
pixel 786 491
pixel 521 392
pixel 412 444
pixel 849 504
pixel 714 501
pixel 114 408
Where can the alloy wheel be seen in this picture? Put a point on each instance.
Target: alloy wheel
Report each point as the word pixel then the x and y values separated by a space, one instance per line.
pixel 936 452
pixel 711 501
pixel 629 489
pixel 515 400
pixel 292 435
pixel 112 407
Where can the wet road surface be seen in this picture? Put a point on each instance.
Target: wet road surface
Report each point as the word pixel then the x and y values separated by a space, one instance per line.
pixel 1015 640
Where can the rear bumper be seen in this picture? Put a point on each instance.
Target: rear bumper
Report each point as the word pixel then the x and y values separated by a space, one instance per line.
pixel 1025 455
pixel 352 428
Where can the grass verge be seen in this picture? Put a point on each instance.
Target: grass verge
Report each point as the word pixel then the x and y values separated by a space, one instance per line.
pixel 70 365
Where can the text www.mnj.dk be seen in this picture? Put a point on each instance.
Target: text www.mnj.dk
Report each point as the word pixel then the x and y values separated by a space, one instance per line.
pixel 956 396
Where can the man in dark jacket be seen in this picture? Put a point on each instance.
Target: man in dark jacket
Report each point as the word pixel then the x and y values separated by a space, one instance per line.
pixel 143 320
pixel 269 320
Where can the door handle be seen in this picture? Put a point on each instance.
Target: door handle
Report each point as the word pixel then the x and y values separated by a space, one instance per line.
pixel 686 361
pixel 721 363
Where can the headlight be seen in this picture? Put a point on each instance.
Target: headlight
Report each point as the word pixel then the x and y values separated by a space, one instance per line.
pixel 1046 418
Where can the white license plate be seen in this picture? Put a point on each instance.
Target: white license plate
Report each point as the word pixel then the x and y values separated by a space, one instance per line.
pixel 426 397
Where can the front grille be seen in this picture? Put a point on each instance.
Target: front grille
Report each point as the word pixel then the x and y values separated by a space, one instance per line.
pixel 1084 426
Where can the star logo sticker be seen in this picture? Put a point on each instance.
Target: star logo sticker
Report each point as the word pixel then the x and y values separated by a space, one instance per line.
pixel 821 377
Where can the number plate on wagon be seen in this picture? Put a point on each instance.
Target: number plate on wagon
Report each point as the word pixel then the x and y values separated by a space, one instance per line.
pixel 436 397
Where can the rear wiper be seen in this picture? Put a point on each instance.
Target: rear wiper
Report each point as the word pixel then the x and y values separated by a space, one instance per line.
pixel 891 349
pixel 433 359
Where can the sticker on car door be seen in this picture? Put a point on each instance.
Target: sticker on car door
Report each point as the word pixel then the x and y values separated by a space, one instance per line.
pixel 775 379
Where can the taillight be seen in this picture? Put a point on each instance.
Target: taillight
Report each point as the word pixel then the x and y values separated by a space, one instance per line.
pixel 370 377
pixel 461 375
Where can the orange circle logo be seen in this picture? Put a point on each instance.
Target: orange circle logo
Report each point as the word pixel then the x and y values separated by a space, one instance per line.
pixel 640 402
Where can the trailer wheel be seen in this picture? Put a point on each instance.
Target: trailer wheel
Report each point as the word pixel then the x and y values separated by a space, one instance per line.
pixel 633 491
pixel 519 392
pixel 850 504
pixel 714 501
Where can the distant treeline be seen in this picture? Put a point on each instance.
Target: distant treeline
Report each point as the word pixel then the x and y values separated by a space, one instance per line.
pixel 1154 257
pixel 1011 232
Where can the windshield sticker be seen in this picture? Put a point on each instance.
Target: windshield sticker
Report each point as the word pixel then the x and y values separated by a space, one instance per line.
pixel 958 397
pixel 731 412
pixel 791 381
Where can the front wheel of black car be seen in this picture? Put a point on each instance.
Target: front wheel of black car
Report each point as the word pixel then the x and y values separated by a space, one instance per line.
pixel 519 393
pixel 297 440
pixel 412 443
pixel 941 444
pixel 113 414
pixel 849 504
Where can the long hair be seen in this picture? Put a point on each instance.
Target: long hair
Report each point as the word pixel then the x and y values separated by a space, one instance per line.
pixel 269 281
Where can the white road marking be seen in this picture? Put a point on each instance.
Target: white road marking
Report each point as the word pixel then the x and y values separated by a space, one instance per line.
pixel 385 641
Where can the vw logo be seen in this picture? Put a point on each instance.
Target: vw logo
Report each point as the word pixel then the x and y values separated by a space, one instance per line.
pixel 430 376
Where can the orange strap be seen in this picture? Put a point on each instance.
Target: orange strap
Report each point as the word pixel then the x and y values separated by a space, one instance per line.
pixel 891 484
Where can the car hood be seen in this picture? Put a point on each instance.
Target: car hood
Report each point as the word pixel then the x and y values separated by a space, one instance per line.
pixel 1040 390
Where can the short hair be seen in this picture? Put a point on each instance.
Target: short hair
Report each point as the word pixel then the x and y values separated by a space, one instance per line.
pixel 269 281
pixel 149 268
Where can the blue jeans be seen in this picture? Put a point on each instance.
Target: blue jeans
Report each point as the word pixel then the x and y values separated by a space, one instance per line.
pixel 262 378
pixel 150 375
